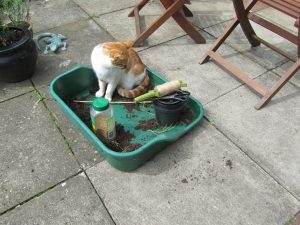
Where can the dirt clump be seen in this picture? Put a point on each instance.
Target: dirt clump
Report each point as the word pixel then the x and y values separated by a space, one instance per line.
pixel 150 124
pixel 229 163
pixel 122 142
pixel 187 116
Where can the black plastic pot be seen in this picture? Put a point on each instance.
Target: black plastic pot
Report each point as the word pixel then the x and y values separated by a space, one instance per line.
pixel 18 61
pixel 168 109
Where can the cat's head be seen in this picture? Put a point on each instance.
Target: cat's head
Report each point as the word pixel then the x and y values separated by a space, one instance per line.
pixel 118 53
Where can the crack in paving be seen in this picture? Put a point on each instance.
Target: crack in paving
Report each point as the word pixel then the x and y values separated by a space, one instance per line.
pixel 56 123
pixel 40 193
pixel 16 96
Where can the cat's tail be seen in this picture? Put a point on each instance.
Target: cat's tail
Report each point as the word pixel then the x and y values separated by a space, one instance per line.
pixel 139 90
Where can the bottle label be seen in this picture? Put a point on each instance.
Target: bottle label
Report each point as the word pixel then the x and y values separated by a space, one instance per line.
pixel 105 126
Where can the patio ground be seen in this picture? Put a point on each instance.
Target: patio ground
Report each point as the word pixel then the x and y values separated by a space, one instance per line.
pixel 49 174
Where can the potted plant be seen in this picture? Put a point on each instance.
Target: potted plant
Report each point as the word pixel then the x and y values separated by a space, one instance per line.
pixel 18 53
pixel 18 13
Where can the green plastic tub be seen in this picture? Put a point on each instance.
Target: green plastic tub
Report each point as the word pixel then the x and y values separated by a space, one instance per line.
pixel 78 82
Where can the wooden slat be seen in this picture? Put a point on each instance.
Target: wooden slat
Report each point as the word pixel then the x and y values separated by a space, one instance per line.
pixel 287 5
pixel 238 73
pixel 281 8
pixel 278 50
pixel 279 84
pixel 293 3
pixel 159 21
pixel 137 21
pixel 274 28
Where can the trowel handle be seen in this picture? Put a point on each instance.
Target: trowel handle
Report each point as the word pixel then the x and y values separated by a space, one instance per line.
pixel 169 87
pixel 150 94
pixel 162 90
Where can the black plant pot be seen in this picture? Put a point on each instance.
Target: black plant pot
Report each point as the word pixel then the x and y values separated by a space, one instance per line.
pixel 168 109
pixel 168 113
pixel 18 61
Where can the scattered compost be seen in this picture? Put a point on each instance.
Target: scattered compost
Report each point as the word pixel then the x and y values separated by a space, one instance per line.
pixel 187 116
pixel 229 163
pixel 122 143
pixel 123 139
pixel 129 107
pixel 150 124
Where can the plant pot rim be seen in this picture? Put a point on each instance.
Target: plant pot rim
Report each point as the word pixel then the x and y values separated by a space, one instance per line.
pixel 25 38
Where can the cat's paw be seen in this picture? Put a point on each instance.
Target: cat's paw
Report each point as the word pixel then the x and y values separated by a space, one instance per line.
pixel 99 94
pixel 108 98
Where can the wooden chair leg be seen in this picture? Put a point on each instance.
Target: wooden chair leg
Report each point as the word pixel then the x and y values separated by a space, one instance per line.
pixel 242 15
pixel 186 11
pixel 139 7
pixel 279 84
pixel 220 40
pixel 283 80
pixel 225 34
pixel 184 23
pixel 298 40
pixel 159 21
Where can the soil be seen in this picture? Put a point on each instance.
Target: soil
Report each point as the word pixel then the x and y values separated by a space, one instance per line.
pixel 129 107
pixel 122 143
pixel 229 163
pixel 82 111
pixel 187 116
pixel 150 124
pixel 118 98
pixel 123 138
pixel 10 37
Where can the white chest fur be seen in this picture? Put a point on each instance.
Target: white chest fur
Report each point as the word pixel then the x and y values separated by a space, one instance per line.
pixel 103 67
pixel 129 80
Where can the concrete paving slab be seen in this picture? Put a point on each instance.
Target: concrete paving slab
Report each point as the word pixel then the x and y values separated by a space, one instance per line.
pixel 260 54
pixel 202 177
pixel 72 202
pixel 95 7
pixel 207 81
pixel 50 66
pixel 184 39
pixel 47 14
pixel 82 36
pixel 271 135
pixel 33 155
pixel 284 68
pixel 122 27
pixel 10 90
pixel 207 14
pixel 84 152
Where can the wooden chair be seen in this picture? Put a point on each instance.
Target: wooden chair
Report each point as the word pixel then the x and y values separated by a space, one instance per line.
pixel 174 8
pixel 243 15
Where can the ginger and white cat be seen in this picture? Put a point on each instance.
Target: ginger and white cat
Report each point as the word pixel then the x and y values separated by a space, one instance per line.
pixel 117 64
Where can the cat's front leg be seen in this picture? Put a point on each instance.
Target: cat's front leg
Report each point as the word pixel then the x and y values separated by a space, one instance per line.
pixel 110 90
pixel 101 91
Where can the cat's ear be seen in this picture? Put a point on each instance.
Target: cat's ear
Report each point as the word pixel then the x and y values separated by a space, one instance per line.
pixel 129 43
